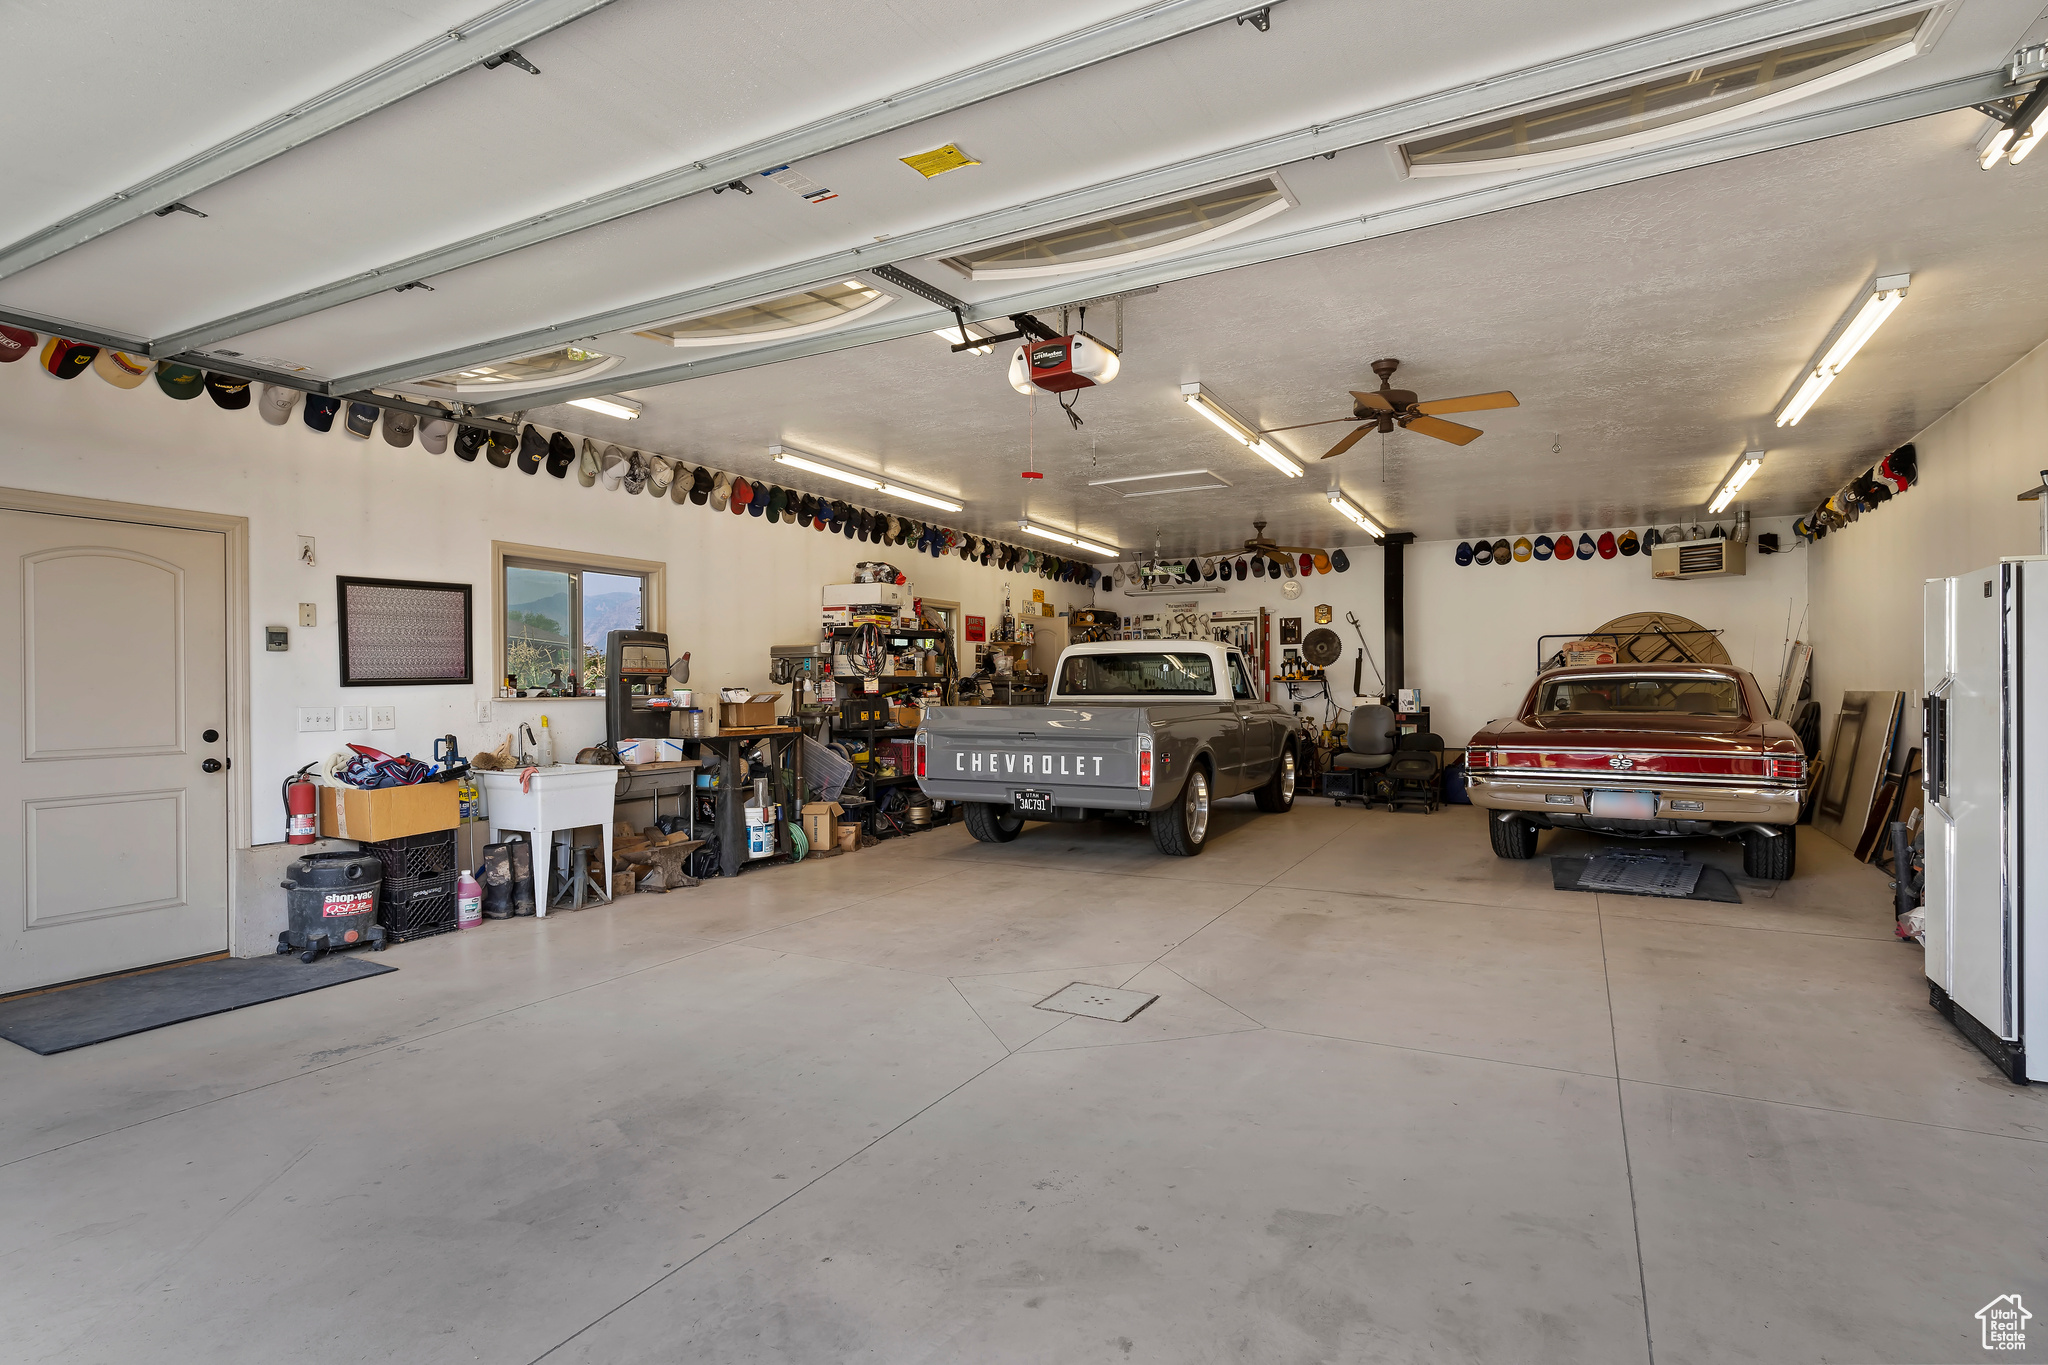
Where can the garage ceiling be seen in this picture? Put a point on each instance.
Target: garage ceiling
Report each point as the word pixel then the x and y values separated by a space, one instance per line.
pixel 1650 306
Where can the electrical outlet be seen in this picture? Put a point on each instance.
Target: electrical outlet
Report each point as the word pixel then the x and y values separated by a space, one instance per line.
pixel 483 712
pixel 315 718
pixel 306 551
pixel 383 718
pixel 355 717
pixel 309 614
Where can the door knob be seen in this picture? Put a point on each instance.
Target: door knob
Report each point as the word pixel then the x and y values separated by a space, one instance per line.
pixel 211 765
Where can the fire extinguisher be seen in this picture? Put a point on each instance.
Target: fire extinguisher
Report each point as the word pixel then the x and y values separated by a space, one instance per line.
pixel 300 799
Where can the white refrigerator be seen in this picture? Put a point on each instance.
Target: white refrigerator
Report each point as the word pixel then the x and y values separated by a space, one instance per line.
pixel 1986 780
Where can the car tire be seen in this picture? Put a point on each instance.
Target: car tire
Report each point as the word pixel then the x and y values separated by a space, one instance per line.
pixel 1182 829
pixel 1769 859
pixel 1512 838
pixel 992 824
pixel 1277 794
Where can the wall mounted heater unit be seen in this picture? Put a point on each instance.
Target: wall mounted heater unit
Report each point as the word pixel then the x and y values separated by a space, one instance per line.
pixel 1697 559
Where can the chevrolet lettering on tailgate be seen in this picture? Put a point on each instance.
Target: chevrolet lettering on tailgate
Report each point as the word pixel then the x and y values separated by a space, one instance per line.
pixel 1048 765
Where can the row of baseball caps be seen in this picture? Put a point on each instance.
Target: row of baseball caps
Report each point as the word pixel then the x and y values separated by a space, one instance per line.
pixel 633 471
pixel 1874 487
pixel 1564 547
pixel 1174 572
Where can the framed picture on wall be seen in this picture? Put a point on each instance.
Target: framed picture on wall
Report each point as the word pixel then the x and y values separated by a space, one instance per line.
pixel 1290 630
pixel 977 628
pixel 398 633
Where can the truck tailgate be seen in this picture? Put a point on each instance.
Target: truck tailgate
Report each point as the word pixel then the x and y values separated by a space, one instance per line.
pixel 1033 745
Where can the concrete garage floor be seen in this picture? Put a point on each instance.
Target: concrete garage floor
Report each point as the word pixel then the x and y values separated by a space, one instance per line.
pixel 1398 1101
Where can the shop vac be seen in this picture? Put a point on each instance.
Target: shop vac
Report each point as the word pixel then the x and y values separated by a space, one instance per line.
pixel 331 902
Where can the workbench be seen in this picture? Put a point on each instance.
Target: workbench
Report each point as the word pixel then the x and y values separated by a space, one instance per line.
pixel 785 754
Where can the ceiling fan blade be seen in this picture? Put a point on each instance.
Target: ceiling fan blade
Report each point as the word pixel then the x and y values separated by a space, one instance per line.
pixel 1352 440
pixel 1299 425
pixel 1444 431
pixel 1372 400
pixel 1473 403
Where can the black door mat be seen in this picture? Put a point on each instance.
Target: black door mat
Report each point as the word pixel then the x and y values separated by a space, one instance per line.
pixel 79 1016
pixel 1714 884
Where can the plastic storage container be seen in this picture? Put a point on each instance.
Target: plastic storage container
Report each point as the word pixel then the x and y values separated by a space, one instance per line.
pixel 469 901
pixel 332 902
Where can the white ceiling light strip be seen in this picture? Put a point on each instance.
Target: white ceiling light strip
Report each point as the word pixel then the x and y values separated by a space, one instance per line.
pixel 818 464
pixel 610 405
pixel 1239 430
pixel 1745 470
pixel 1043 533
pixel 1879 299
pixel 1351 513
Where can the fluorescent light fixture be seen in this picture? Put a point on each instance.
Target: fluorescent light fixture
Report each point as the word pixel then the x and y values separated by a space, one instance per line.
pixel 1752 460
pixel 2016 140
pixel 1994 147
pixel 1065 539
pixel 1884 295
pixel 624 408
pixel 974 333
pixel 817 464
pixel 1357 518
pixel 1239 430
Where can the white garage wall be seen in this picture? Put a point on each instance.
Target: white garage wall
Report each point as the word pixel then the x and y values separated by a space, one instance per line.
pixel 1961 516
pixel 736 585
pixel 1472 631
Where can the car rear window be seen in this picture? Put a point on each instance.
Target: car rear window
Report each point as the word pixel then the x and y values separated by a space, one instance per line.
pixel 1137 675
pixel 1648 695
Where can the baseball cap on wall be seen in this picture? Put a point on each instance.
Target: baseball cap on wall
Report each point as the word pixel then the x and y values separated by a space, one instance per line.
pixel 320 410
pixel 434 434
pixel 67 359
pixel 469 441
pixel 120 369
pixel 399 426
pixel 276 403
pixel 15 342
pixel 361 420
pixel 180 381
pixel 227 391
pixel 533 448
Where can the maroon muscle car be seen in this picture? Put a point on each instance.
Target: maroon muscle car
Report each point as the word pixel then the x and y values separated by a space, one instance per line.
pixel 1643 751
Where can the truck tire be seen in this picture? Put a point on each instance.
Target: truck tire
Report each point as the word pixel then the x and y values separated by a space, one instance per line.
pixel 992 824
pixel 1182 828
pixel 1278 792
pixel 1769 859
pixel 1512 838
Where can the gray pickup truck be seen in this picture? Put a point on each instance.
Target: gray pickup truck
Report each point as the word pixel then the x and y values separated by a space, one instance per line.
pixel 1151 730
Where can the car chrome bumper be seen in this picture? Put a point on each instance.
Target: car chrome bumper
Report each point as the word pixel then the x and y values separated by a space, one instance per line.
pixel 1702 805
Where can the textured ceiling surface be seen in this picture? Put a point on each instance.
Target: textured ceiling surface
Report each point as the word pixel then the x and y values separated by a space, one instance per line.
pixel 1649 330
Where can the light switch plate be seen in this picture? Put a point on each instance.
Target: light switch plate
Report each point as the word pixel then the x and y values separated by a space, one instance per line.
pixel 315 718
pixel 309 614
pixel 355 717
pixel 306 551
pixel 483 712
pixel 383 718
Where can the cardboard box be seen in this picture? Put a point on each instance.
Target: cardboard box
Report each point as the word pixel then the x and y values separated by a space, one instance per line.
pixel 752 714
pixel 821 824
pixel 388 812
pixel 910 716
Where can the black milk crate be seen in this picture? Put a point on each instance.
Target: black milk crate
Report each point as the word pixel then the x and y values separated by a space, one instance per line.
pixel 417 908
pixel 1341 783
pixel 416 857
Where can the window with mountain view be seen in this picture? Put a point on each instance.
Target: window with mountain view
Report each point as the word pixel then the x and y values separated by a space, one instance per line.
pixel 556 618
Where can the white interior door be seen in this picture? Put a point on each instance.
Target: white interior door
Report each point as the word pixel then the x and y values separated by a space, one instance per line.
pixel 113 836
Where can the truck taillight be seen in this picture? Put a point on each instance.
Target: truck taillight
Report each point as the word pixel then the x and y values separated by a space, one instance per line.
pixel 1144 760
pixel 1787 769
pixel 920 753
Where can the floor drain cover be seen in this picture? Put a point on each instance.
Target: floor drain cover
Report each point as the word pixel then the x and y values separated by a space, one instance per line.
pixel 1643 874
pixel 1097 1002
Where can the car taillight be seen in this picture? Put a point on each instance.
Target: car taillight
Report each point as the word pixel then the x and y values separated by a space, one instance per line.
pixel 920 753
pixel 1144 760
pixel 1787 769
pixel 1478 758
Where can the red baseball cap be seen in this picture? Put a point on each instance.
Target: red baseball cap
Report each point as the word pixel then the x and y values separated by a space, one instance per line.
pixel 15 342
pixel 67 359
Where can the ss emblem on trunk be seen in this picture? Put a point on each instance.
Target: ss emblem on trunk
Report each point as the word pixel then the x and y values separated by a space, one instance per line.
pixel 1619 762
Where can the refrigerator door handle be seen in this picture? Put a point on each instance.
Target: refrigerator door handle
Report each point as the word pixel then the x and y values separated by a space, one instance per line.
pixel 1934 735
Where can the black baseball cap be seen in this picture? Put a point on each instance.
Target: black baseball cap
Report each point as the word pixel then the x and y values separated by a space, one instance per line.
pixel 503 444
pixel 68 359
pixel 532 450
pixel 561 454
pixel 700 486
pixel 361 419
pixel 470 440
pixel 320 410
pixel 227 390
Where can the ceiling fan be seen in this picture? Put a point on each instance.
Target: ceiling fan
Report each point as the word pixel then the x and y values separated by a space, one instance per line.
pixel 1259 544
pixel 1388 407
